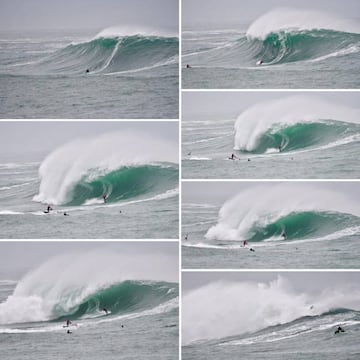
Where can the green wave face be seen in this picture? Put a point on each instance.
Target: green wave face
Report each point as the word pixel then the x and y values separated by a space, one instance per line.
pixel 285 47
pixel 304 135
pixel 122 298
pixel 302 225
pixel 126 183
pixel 107 55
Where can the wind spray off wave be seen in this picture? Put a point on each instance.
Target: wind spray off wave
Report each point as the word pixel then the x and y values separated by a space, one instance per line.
pixel 118 165
pixel 285 212
pixel 223 309
pixel 295 123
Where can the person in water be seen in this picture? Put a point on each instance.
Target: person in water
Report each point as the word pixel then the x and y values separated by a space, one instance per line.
pixel 251 249
pixel 87 71
pixel 340 329
pixel 68 322
pixel 188 66
pixel 234 157
pixel 283 235
pixel 49 208
pixel 245 243
pixel 105 198
pixel 66 214
pixel 106 311
pixel 69 332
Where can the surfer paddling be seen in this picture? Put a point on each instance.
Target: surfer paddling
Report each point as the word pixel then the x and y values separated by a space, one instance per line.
pixel 48 209
pixel 234 157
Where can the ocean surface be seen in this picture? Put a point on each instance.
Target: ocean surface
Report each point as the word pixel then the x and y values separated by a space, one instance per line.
pixel 295 137
pixel 141 198
pixel 267 325
pixel 142 321
pixel 44 75
pixel 282 49
pixel 287 227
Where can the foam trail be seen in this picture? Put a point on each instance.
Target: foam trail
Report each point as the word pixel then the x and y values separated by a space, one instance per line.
pixel 94 157
pixel 213 311
pixel 295 19
pixel 261 206
pixel 275 115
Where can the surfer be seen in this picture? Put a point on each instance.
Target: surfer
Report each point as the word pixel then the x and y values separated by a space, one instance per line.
pixel 106 310
pixel 280 148
pixel 189 153
pixel 186 236
pixel 87 71
pixel 283 235
pixel 233 157
pixel 66 214
pixel 260 62
pixel 69 332
pixel 339 330
pixel 105 198
pixel 245 243
pixel 188 66
pixel 251 249
pixel 49 208
pixel 68 323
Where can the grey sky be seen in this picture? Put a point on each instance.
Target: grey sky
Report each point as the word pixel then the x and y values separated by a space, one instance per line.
pixel 19 257
pixel 301 281
pixel 83 14
pixel 213 105
pixel 219 191
pixel 207 13
pixel 42 137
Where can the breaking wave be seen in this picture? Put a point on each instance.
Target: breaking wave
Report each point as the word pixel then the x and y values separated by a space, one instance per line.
pixel 284 212
pixel 295 123
pixel 111 51
pixel 269 312
pixel 284 36
pixel 120 166
pixel 123 286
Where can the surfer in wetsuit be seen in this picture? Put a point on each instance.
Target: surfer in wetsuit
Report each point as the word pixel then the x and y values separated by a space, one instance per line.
pixel 106 310
pixel 283 235
pixel 188 66
pixel 68 323
pixel 49 208
pixel 87 71
pixel 186 236
pixel 66 214
pixel 105 198
pixel 339 330
pixel 245 243
pixel 69 332
pixel 251 249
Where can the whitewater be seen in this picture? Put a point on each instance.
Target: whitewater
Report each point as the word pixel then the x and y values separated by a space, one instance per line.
pixel 107 74
pixel 298 136
pixel 219 322
pixel 308 48
pixel 111 186
pixel 139 297
pixel 288 225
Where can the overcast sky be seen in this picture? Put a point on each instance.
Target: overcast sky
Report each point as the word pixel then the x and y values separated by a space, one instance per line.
pixel 43 137
pixel 302 281
pixel 231 104
pixel 18 257
pixel 87 14
pixel 218 192
pixel 214 12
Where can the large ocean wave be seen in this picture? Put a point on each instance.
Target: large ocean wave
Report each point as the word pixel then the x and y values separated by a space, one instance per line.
pixel 124 287
pixel 267 312
pixel 283 36
pixel 285 212
pixel 120 166
pixel 295 123
pixel 111 51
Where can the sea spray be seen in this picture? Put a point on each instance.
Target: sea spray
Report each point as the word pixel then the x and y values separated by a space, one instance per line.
pixel 227 308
